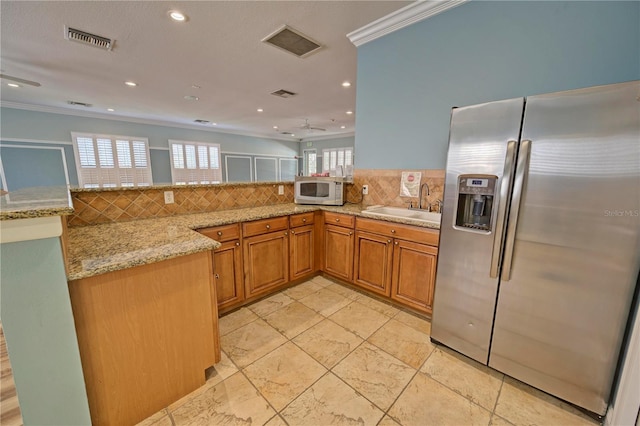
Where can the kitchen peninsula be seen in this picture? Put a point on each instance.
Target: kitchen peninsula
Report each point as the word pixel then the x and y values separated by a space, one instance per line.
pixel 143 292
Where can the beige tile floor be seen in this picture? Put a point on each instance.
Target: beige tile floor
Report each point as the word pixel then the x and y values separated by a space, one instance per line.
pixel 323 354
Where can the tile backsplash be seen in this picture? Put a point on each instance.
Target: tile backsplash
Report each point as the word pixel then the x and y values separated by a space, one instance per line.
pixel 116 205
pixel 384 187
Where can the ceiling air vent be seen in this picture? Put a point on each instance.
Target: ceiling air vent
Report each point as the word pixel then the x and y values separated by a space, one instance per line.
pixel 88 38
pixel 283 93
pixel 292 41
pixel 201 121
pixel 76 103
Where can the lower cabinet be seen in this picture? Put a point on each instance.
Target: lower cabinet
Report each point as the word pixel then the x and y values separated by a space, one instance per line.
pixel 301 252
pixel 397 261
pixel 227 265
pixel 338 245
pixel 373 262
pixel 414 274
pixel 266 255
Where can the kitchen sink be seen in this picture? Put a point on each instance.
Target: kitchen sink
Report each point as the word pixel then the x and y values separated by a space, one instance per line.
pixel 402 213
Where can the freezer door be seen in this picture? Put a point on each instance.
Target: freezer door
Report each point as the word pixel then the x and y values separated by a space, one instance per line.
pixel 567 285
pixel 481 138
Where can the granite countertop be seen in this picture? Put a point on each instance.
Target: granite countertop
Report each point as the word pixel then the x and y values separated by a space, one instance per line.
pixel 36 202
pixel 97 249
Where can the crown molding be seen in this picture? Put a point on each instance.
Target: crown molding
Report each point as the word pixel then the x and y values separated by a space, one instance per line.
pixel 415 12
pixel 327 137
pixel 92 114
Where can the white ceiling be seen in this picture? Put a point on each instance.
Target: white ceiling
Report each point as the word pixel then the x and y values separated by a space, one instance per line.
pixel 218 49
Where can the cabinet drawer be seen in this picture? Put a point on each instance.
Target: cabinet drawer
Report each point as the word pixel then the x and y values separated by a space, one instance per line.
pixel 263 226
pixel 396 230
pixel 222 233
pixel 338 219
pixel 301 219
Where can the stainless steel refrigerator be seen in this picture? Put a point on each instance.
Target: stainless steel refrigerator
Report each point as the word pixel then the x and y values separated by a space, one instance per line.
pixel 540 237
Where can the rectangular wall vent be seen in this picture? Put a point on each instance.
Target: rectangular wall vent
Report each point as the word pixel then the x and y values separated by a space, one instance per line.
pixel 83 37
pixel 292 41
pixel 283 93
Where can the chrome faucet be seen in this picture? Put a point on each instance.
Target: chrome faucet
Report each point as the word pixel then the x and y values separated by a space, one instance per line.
pixel 420 198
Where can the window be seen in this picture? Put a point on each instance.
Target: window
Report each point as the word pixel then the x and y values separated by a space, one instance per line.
pixel 331 158
pixel 194 162
pixel 105 161
pixel 310 162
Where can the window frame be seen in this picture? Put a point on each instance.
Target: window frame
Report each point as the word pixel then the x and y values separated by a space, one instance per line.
pixel 335 153
pixel 103 176
pixel 199 175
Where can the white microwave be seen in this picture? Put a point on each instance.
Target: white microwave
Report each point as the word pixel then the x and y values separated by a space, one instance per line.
pixel 328 191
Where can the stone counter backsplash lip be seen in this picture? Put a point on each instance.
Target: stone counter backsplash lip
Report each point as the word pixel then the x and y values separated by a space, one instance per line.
pixel 98 249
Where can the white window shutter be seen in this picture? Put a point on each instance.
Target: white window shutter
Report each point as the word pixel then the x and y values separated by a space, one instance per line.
pixel 108 161
pixel 195 162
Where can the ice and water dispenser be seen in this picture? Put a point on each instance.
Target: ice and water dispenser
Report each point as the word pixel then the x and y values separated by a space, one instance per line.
pixel 475 202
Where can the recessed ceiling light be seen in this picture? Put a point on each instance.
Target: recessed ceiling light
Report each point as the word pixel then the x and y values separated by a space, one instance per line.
pixel 292 134
pixel 13 85
pixel 192 98
pixel 260 110
pixel 346 84
pixel 110 109
pixel 131 83
pixel 177 16
pixel 349 112
pixel 343 127
pixel 275 127
pixel 214 124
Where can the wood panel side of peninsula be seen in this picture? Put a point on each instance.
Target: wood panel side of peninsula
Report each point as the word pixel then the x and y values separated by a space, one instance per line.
pixel 146 335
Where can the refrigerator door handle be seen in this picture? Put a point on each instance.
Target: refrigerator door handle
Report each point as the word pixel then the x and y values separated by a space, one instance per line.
pixel 505 190
pixel 518 185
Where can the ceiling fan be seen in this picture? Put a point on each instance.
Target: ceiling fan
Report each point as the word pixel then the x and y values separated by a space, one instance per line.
pixel 20 80
pixel 307 126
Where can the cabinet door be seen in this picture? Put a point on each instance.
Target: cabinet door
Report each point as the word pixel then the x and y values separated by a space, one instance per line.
pixel 301 243
pixel 414 272
pixel 338 251
pixel 266 262
pixel 227 274
pixel 373 261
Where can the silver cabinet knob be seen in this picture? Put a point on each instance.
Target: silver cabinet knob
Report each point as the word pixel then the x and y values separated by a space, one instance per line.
pixel 337 220
pixel 217 276
pixel 396 243
pixel 268 226
pixel 286 233
pixel 292 231
pixel 388 241
pixel 219 233
pixel 304 220
pixel 237 244
pixel 393 231
pixel 350 233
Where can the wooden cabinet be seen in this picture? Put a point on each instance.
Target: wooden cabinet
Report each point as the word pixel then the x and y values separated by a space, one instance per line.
pixel 373 262
pixel 265 255
pixel 338 245
pixel 227 265
pixel 146 335
pixel 414 274
pixel 301 245
pixel 397 261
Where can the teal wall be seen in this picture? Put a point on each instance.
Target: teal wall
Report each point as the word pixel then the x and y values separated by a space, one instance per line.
pixel 40 334
pixel 18 125
pixel 409 80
